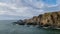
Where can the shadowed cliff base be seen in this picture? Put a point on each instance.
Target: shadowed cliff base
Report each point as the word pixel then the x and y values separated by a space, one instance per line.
pixel 46 20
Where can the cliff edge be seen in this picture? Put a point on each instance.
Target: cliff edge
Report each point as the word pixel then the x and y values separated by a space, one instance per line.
pixel 51 19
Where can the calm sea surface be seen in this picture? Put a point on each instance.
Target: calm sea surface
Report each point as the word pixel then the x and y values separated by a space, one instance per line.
pixel 6 27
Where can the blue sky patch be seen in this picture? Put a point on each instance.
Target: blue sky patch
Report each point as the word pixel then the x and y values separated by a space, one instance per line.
pixel 50 1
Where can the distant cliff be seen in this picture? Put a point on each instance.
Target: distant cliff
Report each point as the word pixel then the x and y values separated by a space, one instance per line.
pixel 51 19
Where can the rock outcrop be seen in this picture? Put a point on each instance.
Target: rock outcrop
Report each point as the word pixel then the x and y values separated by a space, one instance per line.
pixel 19 22
pixel 51 19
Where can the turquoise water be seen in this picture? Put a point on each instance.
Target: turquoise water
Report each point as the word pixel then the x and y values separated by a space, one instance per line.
pixel 6 27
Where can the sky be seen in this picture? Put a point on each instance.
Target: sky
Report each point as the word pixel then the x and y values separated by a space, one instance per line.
pixel 22 9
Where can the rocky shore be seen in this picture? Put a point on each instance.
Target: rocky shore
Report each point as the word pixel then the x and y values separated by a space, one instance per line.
pixel 50 20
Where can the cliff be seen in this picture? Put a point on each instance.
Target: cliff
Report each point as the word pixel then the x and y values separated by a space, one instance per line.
pixel 51 19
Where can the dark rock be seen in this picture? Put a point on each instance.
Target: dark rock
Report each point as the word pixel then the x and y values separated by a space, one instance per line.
pixel 31 23
pixel 20 22
pixel 14 23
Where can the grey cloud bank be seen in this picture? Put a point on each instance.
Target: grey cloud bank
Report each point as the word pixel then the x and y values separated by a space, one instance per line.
pixel 21 9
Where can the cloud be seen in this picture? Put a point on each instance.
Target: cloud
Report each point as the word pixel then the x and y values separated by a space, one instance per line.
pixel 2 12
pixel 35 4
pixel 6 9
pixel 21 9
pixel 8 5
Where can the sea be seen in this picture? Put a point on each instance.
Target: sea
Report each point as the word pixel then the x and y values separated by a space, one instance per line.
pixel 6 27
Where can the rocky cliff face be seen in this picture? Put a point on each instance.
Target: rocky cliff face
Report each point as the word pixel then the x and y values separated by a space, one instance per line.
pixel 51 19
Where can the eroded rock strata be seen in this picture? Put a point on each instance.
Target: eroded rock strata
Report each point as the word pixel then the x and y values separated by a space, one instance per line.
pixel 51 19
